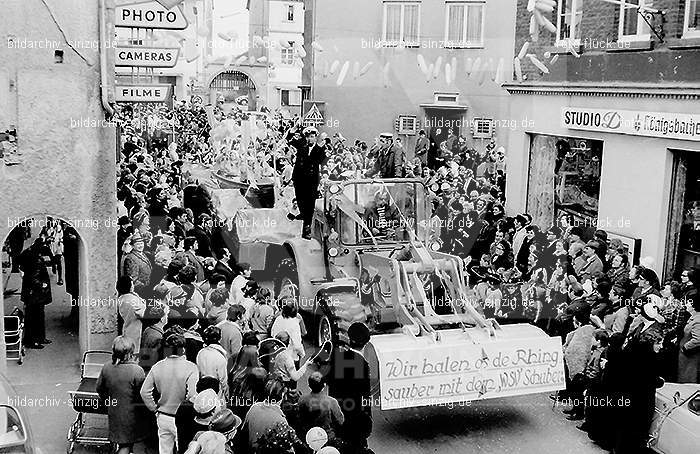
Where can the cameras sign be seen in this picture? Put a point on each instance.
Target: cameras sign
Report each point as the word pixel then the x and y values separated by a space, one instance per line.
pixel 150 14
pixel 633 122
pixel 421 372
pixel 152 57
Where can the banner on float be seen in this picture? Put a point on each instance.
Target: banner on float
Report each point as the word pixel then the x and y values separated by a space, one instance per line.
pixel 149 14
pixel 633 122
pixel 148 57
pixel 142 93
pixel 413 376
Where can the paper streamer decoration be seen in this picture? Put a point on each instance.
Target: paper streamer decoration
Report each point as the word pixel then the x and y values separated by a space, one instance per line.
pixel 241 59
pixel 326 68
pixel 499 71
pixel 283 43
pixel 334 67
pixel 468 64
pixel 223 36
pixel 453 66
pixel 541 66
pixel 385 74
pixel 356 70
pixel 523 50
pixel 485 72
pixel 365 68
pixel 518 69
pixel 429 74
pixel 300 50
pixel 233 34
pixel 438 64
pixel 448 74
pixel 262 59
pixel 549 26
pixel 316 46
pixel 544 7
pixel 475 68
pixel 530 5
pixel 547 54
pixel 421 64
pixel 553 60
pixel 343 73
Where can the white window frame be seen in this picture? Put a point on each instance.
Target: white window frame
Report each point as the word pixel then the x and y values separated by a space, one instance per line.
pixel 463 44
pixel 641 24
pixel 290 51
pixel 690 33
pixel 401 33
pixel 291 96
pixel 478 121
pixel 569 40
pixel 285 18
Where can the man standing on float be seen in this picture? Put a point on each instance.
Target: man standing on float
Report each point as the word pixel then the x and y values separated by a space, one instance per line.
pixel 306 175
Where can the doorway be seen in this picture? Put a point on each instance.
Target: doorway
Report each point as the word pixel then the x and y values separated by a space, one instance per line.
pixel 683 239
pixel 440 121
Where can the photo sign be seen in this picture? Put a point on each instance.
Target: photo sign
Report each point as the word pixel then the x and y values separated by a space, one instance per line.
pixel 443 372
pixel 633 122
pixel 149 14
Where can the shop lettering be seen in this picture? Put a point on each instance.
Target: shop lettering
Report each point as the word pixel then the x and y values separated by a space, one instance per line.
pixel 146 56
pixel 149 16
pixel 664 126
pixel 608 120
pixel 142 92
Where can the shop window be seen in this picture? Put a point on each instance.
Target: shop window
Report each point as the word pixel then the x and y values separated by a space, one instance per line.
pixel 691 23
pixel 686 194
pixel 464 24
pixel 569 14
pixel 564 178
pixel 631 25
pixel 401 23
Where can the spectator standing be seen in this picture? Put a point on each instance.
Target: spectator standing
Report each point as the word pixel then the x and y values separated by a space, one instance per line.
pixel 131 309
pixel 212 360
pixel 689 356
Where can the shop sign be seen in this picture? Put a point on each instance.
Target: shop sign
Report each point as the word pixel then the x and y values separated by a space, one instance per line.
pixel 151 57
pixel 633 122
pixel 142 93
pixel 150 14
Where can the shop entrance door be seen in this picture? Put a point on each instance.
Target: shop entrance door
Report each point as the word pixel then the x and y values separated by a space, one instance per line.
pixel 683 233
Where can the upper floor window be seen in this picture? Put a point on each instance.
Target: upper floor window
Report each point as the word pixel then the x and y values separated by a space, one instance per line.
pixel 691 25
pixel 287 54
pixel 632 26
pixel 289 13
pixel 464 24
pixel 401 23
pixel 569 14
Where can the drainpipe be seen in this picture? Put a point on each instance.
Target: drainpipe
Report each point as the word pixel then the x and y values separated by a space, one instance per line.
pixel 105 76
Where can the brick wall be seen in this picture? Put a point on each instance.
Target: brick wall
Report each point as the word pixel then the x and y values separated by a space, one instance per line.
pixel 660 62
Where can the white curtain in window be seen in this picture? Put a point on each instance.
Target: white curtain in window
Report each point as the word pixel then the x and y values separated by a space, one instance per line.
pixel 630 18
pixel 393 22
pixel 474 21
pixel 410 23
pixel 455 24
pixel 693 14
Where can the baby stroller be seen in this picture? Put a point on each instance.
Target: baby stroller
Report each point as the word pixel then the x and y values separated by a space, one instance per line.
pixel 89 430
pixel 14 332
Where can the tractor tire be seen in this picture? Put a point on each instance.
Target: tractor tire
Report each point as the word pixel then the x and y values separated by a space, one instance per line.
pixel 286 273
pixel 346 310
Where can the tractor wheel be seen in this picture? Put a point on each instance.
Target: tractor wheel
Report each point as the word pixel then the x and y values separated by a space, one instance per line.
pixel 325 331
pixel 345 310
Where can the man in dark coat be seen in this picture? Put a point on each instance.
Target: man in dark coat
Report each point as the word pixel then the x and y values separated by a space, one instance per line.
pixel 389 161
pixel 36 293
pixel 422 146
pixel 137 266
pixel 202 232
pixel 347 375
pixel 306 175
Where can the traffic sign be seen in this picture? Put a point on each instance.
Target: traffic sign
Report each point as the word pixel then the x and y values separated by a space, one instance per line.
pixel 142 93
pixel 313 115
pixel 150 14
pixel 151 57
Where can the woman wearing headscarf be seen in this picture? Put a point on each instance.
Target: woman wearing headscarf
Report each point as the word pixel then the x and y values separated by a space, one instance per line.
pixel 118 386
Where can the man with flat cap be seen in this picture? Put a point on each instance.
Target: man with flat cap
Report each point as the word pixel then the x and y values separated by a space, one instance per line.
pixel 306 174
pixel 347 375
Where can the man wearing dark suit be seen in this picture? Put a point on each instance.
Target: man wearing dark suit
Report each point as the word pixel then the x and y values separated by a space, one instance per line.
pixel 389 161
pixel 348 381
pixel 36 293
pixel 202 232
pixel 223 266
pixel 306 174
pixel 422 146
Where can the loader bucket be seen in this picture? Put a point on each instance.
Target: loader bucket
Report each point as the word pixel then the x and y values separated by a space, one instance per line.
pixel 463 365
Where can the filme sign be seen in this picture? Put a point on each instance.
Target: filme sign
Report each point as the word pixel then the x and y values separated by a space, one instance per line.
pixel 152 57
pixel 633 122
pixel 142 93
pixel 149 14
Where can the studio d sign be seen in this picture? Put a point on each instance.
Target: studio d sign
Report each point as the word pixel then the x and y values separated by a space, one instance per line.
pixel 633 122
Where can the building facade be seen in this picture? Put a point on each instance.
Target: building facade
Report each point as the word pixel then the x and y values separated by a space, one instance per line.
pixel 613 126
pixel 402 66
pixel 65 161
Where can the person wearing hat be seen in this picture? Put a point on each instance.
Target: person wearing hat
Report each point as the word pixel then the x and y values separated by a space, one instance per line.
pixel 649 319
pixel 206 405
pixel 137 266
pixel 591 263
pixel 173 379
pixel 347 375
pixel 388 163
pixel 422 146
pixel 307 175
